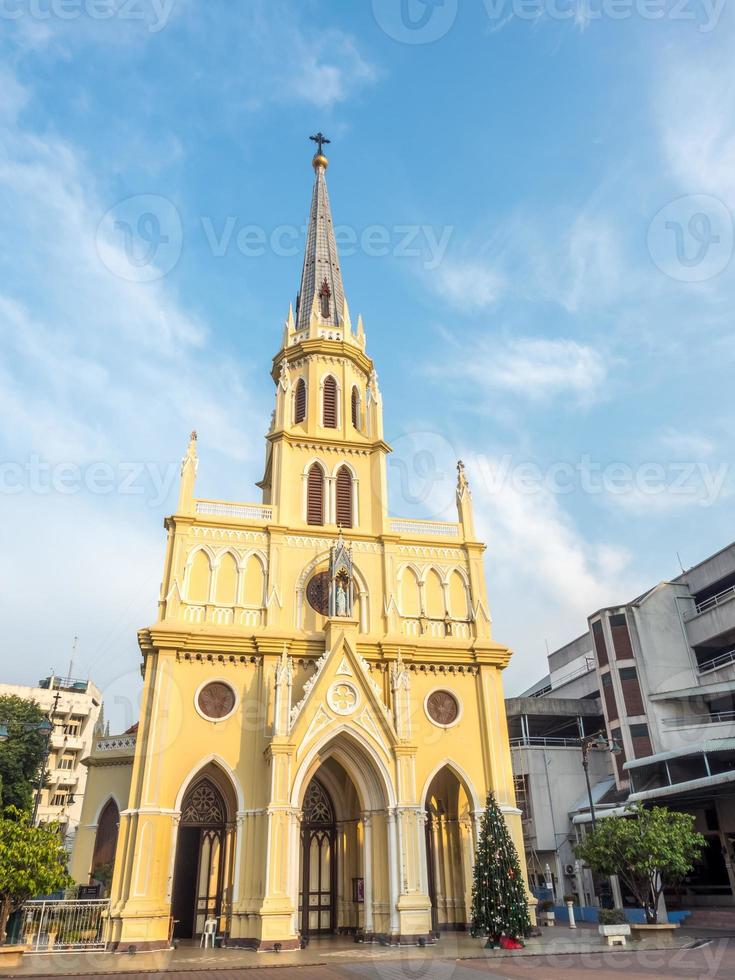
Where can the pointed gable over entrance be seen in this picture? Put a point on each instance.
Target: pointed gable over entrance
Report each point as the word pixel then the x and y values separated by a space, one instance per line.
pixel 340 691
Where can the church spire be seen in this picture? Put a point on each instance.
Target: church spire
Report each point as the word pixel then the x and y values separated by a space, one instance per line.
pixel 321 296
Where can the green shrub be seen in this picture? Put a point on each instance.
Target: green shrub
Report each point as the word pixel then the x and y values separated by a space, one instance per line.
pixel 612 917
pixel 545 905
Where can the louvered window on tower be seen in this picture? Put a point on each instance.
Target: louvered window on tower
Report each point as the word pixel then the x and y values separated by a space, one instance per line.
pixel 330 403
pixel 355 408
pixel 344 497
pixel 299 406
pixel 315 495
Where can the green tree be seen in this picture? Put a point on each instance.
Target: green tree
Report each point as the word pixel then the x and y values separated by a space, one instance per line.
pixel 499 901
pixel 32 862
pixel 22 753
pixel 649 849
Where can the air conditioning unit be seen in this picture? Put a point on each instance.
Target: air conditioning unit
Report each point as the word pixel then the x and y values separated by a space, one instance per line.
pixel 568 869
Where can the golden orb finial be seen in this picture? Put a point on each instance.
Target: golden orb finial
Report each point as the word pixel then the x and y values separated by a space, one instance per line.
pixel 319 161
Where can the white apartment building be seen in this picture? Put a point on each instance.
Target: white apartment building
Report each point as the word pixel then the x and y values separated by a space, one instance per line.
pixel 74 707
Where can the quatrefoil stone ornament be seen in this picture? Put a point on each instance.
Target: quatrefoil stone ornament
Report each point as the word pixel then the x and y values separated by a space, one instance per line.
pixel 343 698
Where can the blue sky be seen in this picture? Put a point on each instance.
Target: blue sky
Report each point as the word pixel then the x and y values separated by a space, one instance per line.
pixel 539 209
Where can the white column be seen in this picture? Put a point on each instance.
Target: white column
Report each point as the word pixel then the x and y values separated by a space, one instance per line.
pixel 294 858
pixel 393 863
pixel 239 835
pixel 421 818
pixel 368 869
pixel 172 860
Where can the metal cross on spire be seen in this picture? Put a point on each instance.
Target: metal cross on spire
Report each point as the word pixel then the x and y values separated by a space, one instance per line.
pixel 320 139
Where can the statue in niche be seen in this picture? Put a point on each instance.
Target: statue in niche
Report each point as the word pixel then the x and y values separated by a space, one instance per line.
pixel 342 594
pixel 341 590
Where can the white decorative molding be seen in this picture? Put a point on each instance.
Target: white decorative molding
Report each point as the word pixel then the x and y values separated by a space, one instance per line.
pixel 320 720
pixel 375 686
pixel 367 721
pixel 116 743
pixel 308 688
pixel 344 667
pixel 228 534
pixel 303 541
pixel 430 551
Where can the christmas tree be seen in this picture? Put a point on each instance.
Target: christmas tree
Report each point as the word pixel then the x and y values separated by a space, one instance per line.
pixel 499 909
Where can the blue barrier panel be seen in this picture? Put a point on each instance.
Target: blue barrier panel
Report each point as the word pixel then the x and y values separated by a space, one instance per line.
pixel 589 913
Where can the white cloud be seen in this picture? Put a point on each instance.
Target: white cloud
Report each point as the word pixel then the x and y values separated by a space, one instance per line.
pixel 469 286
pixel 13 95
pixel 544 573
pixel 535 369
pixel 695 111
pixel 693 445
pixel 325 69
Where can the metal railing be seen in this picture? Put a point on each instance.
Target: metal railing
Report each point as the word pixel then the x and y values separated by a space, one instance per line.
pixel 587 668
pixel 408 526
pixel 218 508
pixel 722 660
pixel 715 600
pixel 541 691
pixel 544 742
pixel 65 925
pixel 715 718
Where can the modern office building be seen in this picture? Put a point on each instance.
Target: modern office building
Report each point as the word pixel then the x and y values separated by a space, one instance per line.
pixel 74 708
pixel 657 673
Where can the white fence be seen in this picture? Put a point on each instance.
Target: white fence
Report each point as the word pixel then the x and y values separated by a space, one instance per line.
pixel 71 924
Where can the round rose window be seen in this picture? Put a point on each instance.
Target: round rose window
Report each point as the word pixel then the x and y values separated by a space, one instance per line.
pixel 216 700
pixel 442 707
pixel 317 592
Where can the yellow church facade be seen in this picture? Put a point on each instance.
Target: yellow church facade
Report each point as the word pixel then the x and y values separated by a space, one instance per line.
pixel 322 712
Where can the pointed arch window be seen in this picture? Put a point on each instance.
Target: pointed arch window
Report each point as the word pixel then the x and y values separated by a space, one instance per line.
pixel 325 294
pixel 299 401
pixel 105 844
pixel 315 495
pixel 330 403
pixel 356 408
pixel 344 497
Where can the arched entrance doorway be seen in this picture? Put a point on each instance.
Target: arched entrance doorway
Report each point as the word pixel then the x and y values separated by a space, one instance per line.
pixel 347 846
pixel 202 886
pixel 317 907
pixel 449 851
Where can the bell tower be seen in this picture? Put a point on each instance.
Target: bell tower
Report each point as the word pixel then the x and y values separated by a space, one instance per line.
pixel 325 454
